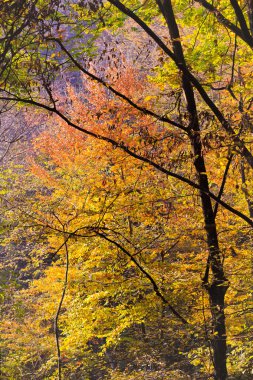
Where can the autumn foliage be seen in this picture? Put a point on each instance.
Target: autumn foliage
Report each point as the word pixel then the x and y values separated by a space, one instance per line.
pixel 127 223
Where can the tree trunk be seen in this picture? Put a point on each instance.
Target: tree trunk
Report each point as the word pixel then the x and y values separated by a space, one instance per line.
pixel 216 295
pixel 218 285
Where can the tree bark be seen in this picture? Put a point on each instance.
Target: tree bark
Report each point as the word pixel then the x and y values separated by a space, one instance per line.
pixel 219 284
pixel 241 19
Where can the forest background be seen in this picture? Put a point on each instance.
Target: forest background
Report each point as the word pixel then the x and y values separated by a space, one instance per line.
pixel 126 189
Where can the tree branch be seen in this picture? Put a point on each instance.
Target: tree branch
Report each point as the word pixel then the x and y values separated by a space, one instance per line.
pixel 144 110
pixel 131 153
pixel 225 124
pixel 224 21
pixel 146 274
pixel 56 327
pixel 223 184
pixel 242 21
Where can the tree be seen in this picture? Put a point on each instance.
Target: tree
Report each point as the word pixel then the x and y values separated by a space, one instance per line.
pixel 219 84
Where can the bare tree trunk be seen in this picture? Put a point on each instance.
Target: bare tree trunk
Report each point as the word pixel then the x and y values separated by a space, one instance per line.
pixel 219 284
